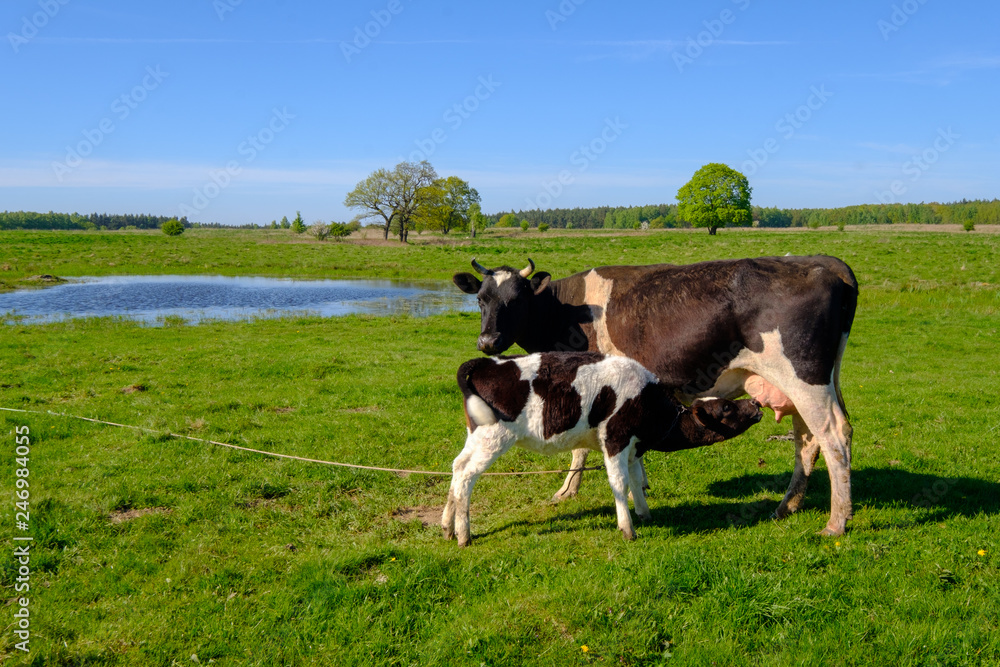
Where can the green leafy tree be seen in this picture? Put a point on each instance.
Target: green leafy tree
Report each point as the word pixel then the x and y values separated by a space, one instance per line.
pixel 507 220
pixel 449 201
pixel 716 196
pixel 399 198
pixel 284 222
pixel 172 227
pixel 298 224
pixel 524 225
pixel 477 220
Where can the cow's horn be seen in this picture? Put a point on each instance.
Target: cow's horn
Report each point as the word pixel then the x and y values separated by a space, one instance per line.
pixel 480 269
pixel 529 269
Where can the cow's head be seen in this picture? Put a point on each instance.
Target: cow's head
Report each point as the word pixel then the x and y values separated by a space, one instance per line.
pixel 504 300
pixel 721 419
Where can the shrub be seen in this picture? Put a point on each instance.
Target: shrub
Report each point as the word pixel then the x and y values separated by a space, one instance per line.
pixel 543 227
pixel 524 225
pixel 969 225
pixel 172 227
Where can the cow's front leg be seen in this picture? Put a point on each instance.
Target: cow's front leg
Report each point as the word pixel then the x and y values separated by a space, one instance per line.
pixel 571 486
pixel 618 476
pixel 637 481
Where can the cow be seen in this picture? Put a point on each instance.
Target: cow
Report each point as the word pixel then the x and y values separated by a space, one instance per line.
pixel 777 326
pixel 560 401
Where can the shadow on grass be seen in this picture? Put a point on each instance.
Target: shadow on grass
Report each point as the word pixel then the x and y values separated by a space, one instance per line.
pixel 934 498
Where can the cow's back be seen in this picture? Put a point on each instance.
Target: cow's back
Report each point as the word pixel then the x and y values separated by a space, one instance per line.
pixel 687 322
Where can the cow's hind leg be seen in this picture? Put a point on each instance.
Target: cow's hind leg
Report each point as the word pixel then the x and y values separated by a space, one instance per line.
pixel 806 453
pixel 821 424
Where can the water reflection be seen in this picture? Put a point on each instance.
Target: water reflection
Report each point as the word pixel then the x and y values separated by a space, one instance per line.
pixel 151 299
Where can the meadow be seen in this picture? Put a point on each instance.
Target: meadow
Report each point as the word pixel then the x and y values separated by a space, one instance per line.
pixel 152 550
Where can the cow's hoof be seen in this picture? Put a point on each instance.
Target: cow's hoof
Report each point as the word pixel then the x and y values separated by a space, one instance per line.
pixel 831 532
pixel 448 534
pixel 629 535
pixel 465 543
pixel 782 512
pixel 563 495
pixel 644 517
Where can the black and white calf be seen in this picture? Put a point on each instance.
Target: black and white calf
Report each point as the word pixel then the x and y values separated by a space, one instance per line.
pixel 559 401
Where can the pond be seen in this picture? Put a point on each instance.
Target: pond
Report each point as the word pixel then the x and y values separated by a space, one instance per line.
pixel 153 299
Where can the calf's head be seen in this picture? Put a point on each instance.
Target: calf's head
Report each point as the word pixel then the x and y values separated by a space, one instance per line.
pixel 504 296
pixel 717 419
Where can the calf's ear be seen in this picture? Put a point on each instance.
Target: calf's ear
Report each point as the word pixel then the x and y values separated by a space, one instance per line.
pixel 467 282
pixel 540 281
pixel 698 413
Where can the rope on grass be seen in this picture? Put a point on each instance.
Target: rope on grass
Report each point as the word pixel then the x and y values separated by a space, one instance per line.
pixel 297 458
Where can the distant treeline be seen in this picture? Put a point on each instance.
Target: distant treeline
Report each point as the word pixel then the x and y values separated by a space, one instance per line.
pixel 50 220
pixel 658 216
pixel 665 215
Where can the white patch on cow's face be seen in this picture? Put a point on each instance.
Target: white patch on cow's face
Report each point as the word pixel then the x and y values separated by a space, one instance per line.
pixel 597 295
pixel 502 276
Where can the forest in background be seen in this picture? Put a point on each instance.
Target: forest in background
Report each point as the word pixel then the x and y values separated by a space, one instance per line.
pixel 657 216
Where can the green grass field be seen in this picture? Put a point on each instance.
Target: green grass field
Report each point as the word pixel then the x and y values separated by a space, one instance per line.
pixel 149 550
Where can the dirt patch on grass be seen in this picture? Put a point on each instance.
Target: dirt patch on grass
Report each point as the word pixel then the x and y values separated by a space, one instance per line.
pixel 122 516
pixel 133 388
pixel 428 516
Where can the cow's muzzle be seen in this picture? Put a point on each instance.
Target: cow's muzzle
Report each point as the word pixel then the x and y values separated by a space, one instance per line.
pixel 490 344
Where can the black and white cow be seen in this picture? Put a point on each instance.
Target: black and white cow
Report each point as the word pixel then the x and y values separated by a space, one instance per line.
pixel 772 327
pixel 560 401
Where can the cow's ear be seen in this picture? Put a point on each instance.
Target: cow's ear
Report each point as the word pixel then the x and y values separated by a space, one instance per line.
pixel 698 413
pixel 467 282
pixel 540 281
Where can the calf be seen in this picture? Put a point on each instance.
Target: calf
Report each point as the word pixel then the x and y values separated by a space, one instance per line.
pixel 555 402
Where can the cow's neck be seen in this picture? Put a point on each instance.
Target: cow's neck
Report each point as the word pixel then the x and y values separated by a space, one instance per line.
pixel 558 323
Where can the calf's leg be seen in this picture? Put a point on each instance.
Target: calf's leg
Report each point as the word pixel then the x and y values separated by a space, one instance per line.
pixel 571 486
pixel 618 476
pixel 482 448
pixel 637 478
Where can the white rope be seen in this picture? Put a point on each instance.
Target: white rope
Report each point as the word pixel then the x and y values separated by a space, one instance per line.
pixel 289 456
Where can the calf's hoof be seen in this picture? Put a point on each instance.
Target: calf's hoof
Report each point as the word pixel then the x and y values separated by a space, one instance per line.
pixel 629 535
pixel 644 517
pixel 563 495
pixel 448 533
pixel 465 543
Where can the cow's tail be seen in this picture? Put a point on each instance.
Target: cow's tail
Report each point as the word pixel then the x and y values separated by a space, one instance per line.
pixel 848 307
pixel 477 411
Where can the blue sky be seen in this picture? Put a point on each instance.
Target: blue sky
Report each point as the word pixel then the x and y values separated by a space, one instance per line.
pixel 237 111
